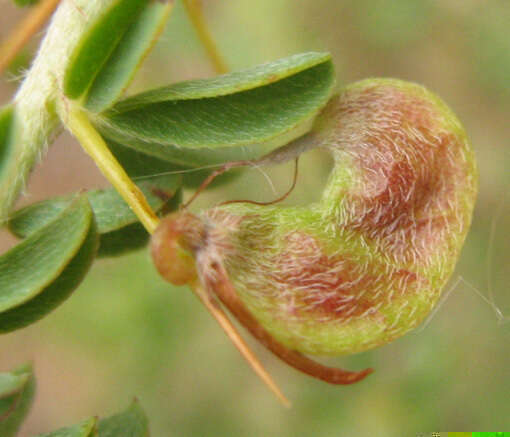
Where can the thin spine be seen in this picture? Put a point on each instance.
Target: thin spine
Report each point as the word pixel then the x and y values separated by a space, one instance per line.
pixel 229 329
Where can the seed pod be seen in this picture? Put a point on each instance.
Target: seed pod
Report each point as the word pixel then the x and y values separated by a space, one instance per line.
pixel 367 263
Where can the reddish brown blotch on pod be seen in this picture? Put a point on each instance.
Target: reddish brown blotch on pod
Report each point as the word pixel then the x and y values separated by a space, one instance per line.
pixel 365 264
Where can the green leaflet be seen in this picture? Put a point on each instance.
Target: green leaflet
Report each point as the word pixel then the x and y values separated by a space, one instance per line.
pixel 225 84
pixel 51 248
pixel 42 271
pixel 238 109
pixel 130 423
pixel 116 74
pixel 117 225
pixel 10 383
pixel 97 44
pixel 87 428
pixel 138 164
pixel 16 393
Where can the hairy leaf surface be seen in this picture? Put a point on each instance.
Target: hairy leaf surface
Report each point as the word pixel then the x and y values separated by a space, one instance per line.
pixel 98 43
pixel 199 122
pixel 117 225
pixel 41 271
pixel 116 74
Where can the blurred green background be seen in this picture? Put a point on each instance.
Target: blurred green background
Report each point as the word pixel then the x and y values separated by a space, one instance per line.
pixel 126 333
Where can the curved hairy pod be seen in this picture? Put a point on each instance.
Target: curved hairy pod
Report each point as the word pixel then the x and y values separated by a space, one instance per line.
pixel 367 263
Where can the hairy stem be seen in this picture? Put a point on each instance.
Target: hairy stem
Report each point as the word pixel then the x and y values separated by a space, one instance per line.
pixel 34 118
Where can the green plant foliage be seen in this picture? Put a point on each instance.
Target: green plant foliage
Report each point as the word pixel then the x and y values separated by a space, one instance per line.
pixel 227 84
pixel 87 428
pixel 141 165
pixel 115 75
pixel 138 164
pixel 6 119
pixel 237 109
pixel 23 3
pixel 16 393
pixel 97 44
pixel 130 423
pixel 43 270
pixel 117 225
pixel 10 383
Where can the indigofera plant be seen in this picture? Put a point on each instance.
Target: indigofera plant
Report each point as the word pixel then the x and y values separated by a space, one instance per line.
pixel 355 270
pixel 366 263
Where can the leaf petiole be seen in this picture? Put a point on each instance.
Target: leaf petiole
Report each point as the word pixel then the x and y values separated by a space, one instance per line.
pixel 81 127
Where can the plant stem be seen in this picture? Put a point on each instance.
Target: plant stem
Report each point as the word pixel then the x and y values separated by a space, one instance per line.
pixel 227 326
pixel 81 127
pixel 25 30
pixel 36 103
pixel 196 16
